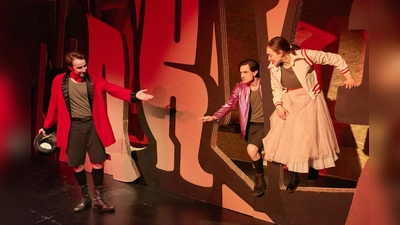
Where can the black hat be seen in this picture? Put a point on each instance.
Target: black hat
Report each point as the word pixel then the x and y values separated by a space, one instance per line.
pixel 46 144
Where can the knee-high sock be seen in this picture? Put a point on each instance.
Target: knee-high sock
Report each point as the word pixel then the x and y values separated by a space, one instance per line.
pixel 258 166
pixel 98 175
pixel 81 177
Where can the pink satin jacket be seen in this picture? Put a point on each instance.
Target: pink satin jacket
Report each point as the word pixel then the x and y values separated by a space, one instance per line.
pixel 240 94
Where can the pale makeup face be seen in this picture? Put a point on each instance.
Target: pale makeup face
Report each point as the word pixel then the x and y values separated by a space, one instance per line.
pixel 79 67
pixel 274 57
pixel 246 74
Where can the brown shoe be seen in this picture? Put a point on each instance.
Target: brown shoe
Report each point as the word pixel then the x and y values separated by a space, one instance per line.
pixel 259 185
pixel 98 201
pixel 86 200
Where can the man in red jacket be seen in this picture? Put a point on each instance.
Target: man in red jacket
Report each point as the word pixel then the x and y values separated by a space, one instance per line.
pixel 77 105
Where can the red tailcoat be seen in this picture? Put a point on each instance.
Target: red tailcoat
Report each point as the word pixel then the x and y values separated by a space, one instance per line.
pixel 60 110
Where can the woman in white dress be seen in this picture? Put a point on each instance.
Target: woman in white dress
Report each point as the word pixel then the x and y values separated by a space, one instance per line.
pixel 302 136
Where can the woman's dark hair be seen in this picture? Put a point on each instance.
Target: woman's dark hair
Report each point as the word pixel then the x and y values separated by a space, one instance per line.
pixel 280 43
pixel 253 65
pixel 73 55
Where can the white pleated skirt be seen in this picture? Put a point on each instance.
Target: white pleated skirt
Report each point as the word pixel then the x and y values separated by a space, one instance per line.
pixel 306 138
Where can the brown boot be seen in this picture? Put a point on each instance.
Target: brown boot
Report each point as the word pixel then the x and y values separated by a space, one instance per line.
pixel 98 201
pixel 86 200
pixel 259 184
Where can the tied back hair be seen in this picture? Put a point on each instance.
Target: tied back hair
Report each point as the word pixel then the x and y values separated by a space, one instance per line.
pixel 280 43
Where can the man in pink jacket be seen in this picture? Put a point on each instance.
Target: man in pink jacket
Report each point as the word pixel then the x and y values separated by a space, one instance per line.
pixel 247 95
pixel 78 108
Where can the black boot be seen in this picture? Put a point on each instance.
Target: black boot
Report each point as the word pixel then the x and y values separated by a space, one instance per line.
pixel 292 186
pixel 312 174
pixel 86 200
pixel 259 184
pixel 98 201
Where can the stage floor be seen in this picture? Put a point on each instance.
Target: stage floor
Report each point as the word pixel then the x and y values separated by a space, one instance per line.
pixel 54 194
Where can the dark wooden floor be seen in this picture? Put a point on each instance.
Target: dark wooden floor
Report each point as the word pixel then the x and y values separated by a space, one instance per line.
pixel 54 194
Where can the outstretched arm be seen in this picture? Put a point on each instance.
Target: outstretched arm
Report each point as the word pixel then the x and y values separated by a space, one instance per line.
pixel 333 59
